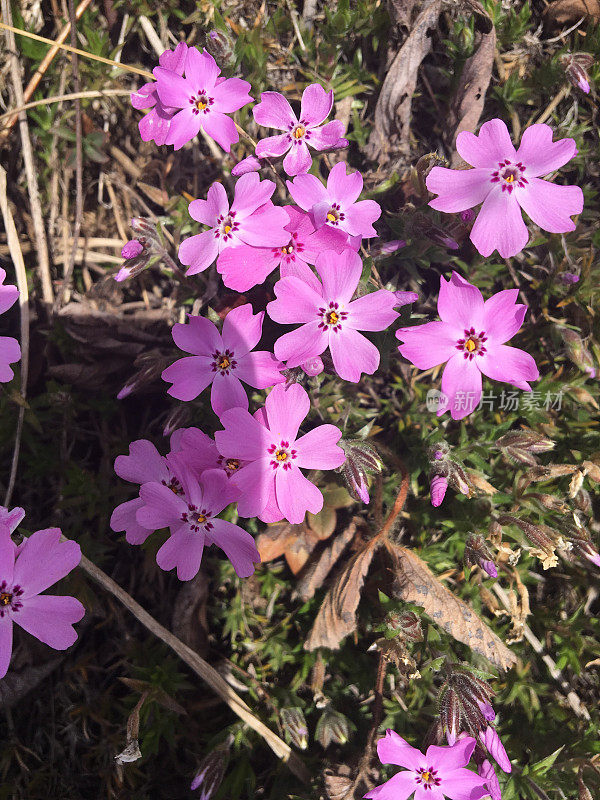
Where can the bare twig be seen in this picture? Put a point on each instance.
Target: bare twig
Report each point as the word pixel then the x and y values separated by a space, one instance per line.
pixel 32 182
pixel 17 259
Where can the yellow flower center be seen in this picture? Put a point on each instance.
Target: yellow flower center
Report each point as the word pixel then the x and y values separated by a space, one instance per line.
pixel 509 178
pixel 201 104
pixel 288 249
pixel 5 599
pixel 223 362
pixel 426 776
pixel 227 228
pixel 332 216
pixel 470 345
pixel 232 464
pixel 298 132
pixel 281 455
pixel 200 519
pixel 332 318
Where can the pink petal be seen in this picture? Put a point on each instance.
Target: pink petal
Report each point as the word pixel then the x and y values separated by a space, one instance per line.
pixel 43 560
pixel 220 127
pixel 298 160
pixel 492 742
pixel 174 59
pixel 50 619
pixel 487 772
pixel 500 225
pixel 286 408
pixel 307 191
pixel 448 759
pixel 231 95
pixel 144 97
pixel 502 317
pixel 491 146
pixel 330 136
pixel 318 449
pixel 189 377
pixel 540 155
pixel 360 218
pixel 7 555
pixel 508 364
pixel 460 304
pixel 217 491
pixel 244 437
pixel 242 329
pixel 458 189
pixel 199 337
pixel 161 508
pixel 316 105
pixel 10 352
pixel 299 345
pixel 344 189
pixel 462 784
pixel 8 296
pixel 250 193
pixel 260 369
pixel 155 126
pixel 255 482
pixel 244 267
pixel 296 302
pixel 227 392
pixel 265 227
pixel 184 551
pixel 6 642
pixel 461 383
pixel 201 70
pixel 393 749
pixel 173 90
pixel 352 354
pixel 340 273
pixel 296 268
pixel 238 545
pixel 296 495
pixel 198 451
pixel 198 251
pixel 427 345
pixel 215 205
pixel 325 238
pixel 373 312
pixel 399 787
pixel 183 128
pixel 274 146
pixel 549 205
pixel 248 164
pixel 428 793
pixel 124 518
pixel 274 111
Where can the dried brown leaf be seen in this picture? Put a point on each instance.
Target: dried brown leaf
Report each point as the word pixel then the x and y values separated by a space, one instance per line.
pixel 337 785
pixel 562 12
pixel 337 615
pixel 319 570
pixel 415 583
pixel 402 11
pixel 393 109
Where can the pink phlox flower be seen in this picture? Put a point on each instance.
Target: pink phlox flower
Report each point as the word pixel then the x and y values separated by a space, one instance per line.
pixel 252 219
pixel 222 359
pixel 336 204
pixel 201 100
pixel 438 773
pixel 39 562
pixel 155 125
pixel 488 773
pixel 244 267
pixel 274 111
pixel 470 336
pixel 506 180
pixel 191 516
pixel 331 318
pixel 200 453
pixel 491 741
pixel 271 484
pixel 248 164
pixel 10 351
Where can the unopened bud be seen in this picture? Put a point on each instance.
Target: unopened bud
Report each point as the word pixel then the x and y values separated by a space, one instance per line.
pixel 576 66
pixel 528 440
pixel 422 169
pixel 387 248
pixel 468 215
pixel 332 727
pixel 248 164
pixel 477 552
pixel 132 249
pixel 568 278
pixel 313 367
pixel 294 726
pixel 578 352
pixel 211 771
pixel 220 46
pixel 450 715
pixel 178 418
pixel 143 226
pixel 438 485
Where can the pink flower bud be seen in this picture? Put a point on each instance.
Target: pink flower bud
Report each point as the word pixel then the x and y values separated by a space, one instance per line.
pixel 495 748
pixel 132 249
pixel 248 164
pixel 314 366
pixel 387 248
pixel 438 486
pixel 568 278
pixel 468 215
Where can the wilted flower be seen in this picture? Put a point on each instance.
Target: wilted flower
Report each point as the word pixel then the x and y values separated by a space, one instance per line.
pixel 477 552
pixel 523 445
pixel 568 278
pixel 387 248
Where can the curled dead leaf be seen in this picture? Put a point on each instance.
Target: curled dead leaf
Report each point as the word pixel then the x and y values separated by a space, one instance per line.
pixel 562 12
pixel 320 569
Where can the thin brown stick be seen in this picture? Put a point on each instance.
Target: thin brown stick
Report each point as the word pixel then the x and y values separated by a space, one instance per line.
pixel 204 670
pixel 46 61
pixel 32 181
pixel 59 98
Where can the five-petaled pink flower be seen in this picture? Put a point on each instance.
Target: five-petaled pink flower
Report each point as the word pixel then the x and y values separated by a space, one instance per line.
pixel 470 337
pixel 25 572
pixel 271 485
pixel 244 267
pixel 274 111
pixel 331 319
pixel 438 773
pixel 222 359
pixel 336 205
pixel 155 125
pixel 9 347
pixel 252 219
pixel 191 514
pixel 204 100
pixel 506 180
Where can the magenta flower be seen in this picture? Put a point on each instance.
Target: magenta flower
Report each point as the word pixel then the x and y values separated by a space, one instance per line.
pixel 490 739
pixel 11 519
pixel 191 516
pixel 25 572
pixel 155 125
pixel 10 350
pixel 330 318
pixel 336 205
pixel 248 164
pixel 470 337
pixel 204 100
pixel 438 773
pixel 252 219
pixel 244 267
pixel 223 359
pixel 506 180
pixel 488 773
pixel 274 111
pixel 272 482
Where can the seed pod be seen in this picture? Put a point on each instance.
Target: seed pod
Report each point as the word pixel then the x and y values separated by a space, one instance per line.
pixel 332 727
pixel 294 726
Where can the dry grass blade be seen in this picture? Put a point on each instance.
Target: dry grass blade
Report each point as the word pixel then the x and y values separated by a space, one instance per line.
pixel 415 583
pixel 319 570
